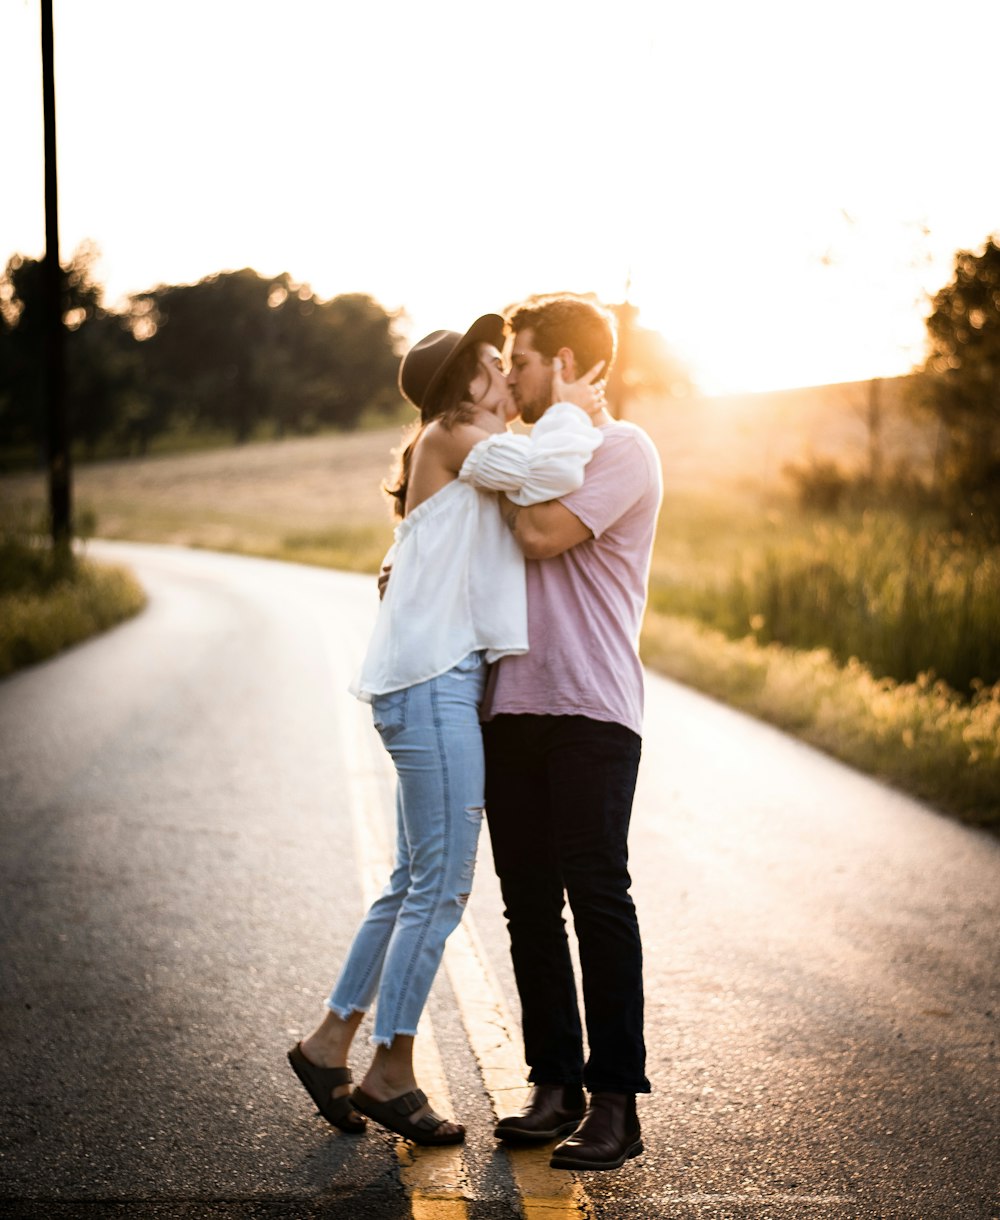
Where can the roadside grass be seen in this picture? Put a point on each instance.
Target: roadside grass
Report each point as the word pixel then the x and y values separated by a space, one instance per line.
pixel 905 596
pixel 48 603
pixel 920 736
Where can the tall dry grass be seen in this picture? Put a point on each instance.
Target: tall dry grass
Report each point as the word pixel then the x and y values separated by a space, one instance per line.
pixel 906 599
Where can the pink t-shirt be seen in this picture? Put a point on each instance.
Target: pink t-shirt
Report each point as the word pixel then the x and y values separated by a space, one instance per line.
pixel 585 606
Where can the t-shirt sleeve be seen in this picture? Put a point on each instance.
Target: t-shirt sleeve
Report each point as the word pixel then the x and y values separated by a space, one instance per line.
pixel 617 477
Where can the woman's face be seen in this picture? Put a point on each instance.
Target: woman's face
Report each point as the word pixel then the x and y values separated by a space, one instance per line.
pixel 488 390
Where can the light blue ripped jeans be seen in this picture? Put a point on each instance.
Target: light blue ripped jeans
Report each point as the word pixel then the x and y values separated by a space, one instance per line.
pixel 432 732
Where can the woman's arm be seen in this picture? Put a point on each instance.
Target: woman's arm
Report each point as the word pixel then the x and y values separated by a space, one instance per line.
pixel 543 466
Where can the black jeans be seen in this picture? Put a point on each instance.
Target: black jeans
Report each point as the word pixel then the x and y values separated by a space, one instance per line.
pixel 558 800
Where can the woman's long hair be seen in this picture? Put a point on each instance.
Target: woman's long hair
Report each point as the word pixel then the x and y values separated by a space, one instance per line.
pixel 450 404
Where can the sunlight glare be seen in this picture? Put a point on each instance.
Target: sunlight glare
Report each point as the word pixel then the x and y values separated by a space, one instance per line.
pixel 770 181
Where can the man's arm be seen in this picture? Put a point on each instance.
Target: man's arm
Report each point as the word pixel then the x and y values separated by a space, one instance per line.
pixel 544 530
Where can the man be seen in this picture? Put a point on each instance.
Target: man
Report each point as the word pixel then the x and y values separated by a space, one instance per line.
pixel 562 727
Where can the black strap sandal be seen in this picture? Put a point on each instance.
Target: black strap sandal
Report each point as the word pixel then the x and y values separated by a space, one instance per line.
pixel 395 1115
pixel 319 1083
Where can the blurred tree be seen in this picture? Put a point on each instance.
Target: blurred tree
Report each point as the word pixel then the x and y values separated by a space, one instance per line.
pixel 961 385
pixel 22 422
pixel 654 369
pixel 108 395
pixel 230 352
pixel 644 364
pixel 99 377
pixel 202 354
pixel 363 362
pixel 237 349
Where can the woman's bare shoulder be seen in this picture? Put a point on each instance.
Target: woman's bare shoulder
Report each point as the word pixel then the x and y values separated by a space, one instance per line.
pixel 451 444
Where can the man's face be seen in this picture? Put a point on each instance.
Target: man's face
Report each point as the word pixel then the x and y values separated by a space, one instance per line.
pixel 530 378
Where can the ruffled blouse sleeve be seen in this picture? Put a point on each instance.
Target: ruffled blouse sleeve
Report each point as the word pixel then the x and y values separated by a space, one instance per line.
pixel 546 465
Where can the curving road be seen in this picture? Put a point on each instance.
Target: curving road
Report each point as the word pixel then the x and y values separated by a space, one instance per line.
pixel 193 813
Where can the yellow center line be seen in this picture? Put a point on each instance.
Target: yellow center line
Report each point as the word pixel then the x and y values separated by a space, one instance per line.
pixel 546 1194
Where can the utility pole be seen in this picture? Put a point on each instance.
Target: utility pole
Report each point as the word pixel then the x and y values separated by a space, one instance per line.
pixel 54 347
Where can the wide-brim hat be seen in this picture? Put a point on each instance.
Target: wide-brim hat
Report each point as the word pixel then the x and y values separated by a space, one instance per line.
pixel 425 365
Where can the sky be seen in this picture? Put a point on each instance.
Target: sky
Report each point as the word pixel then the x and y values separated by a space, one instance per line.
pixel 779 187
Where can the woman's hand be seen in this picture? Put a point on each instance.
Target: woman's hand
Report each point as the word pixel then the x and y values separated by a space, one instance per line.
pixel 586 392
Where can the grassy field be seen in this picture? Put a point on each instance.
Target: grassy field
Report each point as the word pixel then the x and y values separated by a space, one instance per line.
pixel 729 512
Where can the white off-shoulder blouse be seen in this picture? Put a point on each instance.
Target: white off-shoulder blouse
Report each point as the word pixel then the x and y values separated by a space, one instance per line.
pixel 457 583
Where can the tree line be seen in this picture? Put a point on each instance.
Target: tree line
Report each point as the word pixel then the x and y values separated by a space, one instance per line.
pixel 234 353
pixel 230 353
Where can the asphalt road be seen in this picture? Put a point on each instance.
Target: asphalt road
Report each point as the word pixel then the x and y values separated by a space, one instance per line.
pixel 184 862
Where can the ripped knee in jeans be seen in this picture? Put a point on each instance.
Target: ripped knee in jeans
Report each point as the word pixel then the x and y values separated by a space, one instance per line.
pixel 475 814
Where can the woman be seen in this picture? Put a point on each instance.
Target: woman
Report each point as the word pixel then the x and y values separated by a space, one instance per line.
pixel 455 603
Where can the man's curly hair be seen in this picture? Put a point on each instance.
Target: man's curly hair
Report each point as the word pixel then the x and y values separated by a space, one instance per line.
pixel 565 320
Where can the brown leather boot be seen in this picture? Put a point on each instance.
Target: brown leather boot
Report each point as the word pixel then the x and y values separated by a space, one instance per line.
pixel 607 1137
pixel 552 1110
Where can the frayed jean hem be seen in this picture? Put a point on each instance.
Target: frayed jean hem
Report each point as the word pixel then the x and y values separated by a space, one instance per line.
pixel 381 1040
pixel 345 1014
